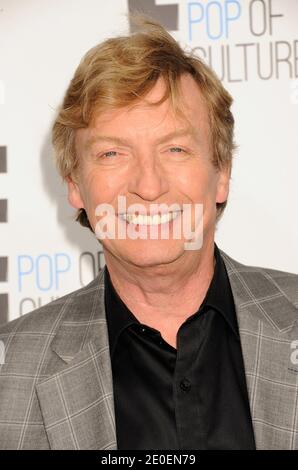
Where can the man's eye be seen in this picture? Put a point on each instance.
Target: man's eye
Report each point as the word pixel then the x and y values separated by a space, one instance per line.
pixel 176 150
pixel 110 153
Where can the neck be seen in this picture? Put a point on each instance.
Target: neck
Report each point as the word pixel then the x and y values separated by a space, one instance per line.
pixel 163 297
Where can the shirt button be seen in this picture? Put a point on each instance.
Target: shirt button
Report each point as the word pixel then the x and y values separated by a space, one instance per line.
pixel 185 385
pixel 142 329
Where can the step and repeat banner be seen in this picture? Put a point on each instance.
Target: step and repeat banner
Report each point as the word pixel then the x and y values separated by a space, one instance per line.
pixel 253 47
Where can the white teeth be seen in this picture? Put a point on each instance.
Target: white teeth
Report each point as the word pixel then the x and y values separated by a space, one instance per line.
pixel 155 219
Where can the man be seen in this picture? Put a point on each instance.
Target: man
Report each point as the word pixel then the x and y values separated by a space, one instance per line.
pixel 174 345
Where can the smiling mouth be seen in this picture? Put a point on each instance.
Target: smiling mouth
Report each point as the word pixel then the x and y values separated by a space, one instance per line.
pixel 155 219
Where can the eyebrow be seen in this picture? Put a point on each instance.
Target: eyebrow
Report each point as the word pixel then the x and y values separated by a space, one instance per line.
pixel 121 141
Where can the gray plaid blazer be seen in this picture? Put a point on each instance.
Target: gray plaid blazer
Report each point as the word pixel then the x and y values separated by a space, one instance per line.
pixel 56 389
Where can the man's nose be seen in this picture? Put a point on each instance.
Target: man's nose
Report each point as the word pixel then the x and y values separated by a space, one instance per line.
pixel 148 179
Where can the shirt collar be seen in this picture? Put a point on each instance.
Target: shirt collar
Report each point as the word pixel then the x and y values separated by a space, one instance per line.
pixel 219 296
pixel 119 317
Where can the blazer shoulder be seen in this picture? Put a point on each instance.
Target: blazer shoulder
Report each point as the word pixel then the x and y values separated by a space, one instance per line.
pixel 42 320
pixel 285 281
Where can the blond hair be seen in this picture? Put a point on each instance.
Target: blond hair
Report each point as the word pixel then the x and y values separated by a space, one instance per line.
pixel 124 69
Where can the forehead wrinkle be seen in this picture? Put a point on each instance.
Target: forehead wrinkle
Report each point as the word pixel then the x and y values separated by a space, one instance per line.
pixel 105 138
pixel 184 132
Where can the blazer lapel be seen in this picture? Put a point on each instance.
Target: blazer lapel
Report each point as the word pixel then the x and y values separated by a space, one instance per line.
pixel 267 321
pixel 76 399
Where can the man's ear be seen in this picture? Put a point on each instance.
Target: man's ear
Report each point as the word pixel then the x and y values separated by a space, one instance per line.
pixel 74 194
pixel 223 184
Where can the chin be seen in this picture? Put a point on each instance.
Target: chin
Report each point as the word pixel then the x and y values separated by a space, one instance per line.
pixel 152 253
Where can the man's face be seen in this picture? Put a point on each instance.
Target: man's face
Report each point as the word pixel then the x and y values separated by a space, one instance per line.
pixel 149 155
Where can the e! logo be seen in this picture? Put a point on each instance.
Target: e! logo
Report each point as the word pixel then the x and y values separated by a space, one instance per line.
pixel 167 15
pixel 294 355
pixel 2 353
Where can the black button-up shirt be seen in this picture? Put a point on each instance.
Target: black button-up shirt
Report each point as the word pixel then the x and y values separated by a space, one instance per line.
pixel 192 397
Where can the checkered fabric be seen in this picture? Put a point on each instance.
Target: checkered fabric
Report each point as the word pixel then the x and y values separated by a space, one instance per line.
pixel 56 388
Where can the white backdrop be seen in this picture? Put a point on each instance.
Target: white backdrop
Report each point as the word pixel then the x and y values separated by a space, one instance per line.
pixel 43 252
